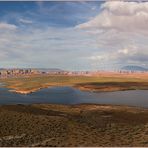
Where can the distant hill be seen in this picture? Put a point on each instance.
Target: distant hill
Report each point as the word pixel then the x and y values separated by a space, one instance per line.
pixel 49 69
pixel 134 68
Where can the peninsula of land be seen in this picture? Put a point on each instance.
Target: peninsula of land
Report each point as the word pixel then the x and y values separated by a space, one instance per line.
pixel 96 82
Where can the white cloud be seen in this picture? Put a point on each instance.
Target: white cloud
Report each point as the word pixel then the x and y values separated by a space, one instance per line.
pixel 122 16
pixel 121 30
pixel 116 36
pixel 50 47
pixel 124 51
pixel 25 21
pixel 97 57
pixel 125 8
pixel 6 26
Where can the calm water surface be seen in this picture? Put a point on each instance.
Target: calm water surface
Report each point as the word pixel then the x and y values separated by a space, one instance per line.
pixel 69 95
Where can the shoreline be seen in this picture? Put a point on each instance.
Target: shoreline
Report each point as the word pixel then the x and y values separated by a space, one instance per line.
pixel 26 85
pixel 91 106
pixel 96 90
pixel 25 92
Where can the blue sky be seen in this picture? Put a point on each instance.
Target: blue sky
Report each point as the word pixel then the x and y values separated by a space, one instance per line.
pixel 45 14
pixel 73 35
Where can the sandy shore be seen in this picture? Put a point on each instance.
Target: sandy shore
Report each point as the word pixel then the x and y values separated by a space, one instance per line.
pixel 25 91
pixel 86 87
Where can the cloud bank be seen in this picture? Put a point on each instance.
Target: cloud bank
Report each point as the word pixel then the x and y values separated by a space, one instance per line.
pixel 6 26
pixel 106 35
pixel 121 30
pixel 121 16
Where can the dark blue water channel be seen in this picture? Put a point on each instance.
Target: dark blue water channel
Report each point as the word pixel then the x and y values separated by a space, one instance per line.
pixel 69 95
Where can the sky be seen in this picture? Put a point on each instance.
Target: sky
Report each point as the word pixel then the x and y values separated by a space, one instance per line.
pixel 73 35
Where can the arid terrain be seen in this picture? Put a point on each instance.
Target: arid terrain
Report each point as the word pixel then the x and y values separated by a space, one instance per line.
pixel 74 125
pixel 106 81
pixel 77 125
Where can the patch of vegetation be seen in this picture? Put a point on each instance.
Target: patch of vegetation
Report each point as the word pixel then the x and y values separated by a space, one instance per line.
pixel 75 125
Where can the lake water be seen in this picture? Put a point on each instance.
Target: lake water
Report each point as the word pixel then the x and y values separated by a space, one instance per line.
pixel 69 95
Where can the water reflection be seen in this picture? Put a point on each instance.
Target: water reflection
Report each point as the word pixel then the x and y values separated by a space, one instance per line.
pixel 69 95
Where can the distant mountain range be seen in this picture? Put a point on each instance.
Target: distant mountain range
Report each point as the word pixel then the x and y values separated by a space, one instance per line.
pixel 49 69
pixel 134 68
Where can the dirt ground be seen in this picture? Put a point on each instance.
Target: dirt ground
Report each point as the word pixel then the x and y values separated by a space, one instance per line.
pixel 73 125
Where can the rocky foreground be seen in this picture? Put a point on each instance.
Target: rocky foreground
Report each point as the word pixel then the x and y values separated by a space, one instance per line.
pixel 77 125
